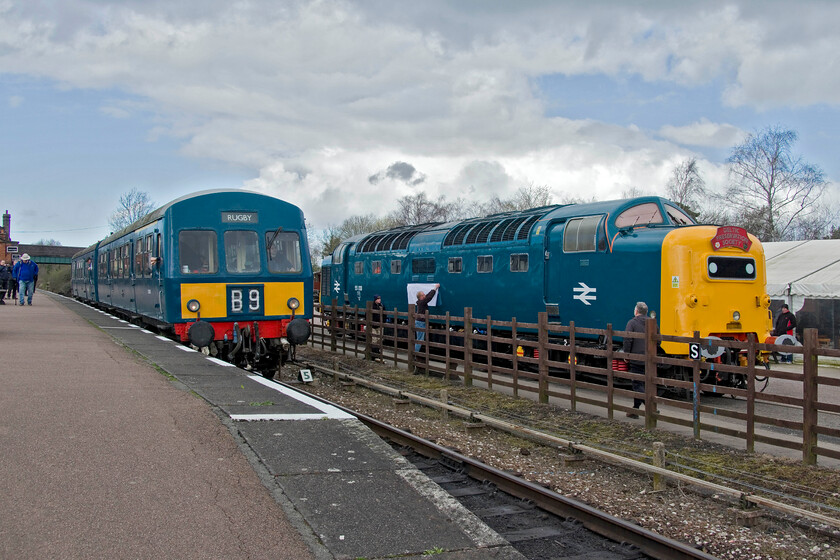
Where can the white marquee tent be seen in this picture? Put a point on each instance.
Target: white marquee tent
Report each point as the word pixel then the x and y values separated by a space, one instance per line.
pixel 803 269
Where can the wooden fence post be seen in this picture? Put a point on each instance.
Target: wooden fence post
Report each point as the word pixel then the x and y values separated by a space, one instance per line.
pixel 333 325
pixel 368 323
pixel 515 357
pixel 751 351
pixel 448 349
pixel 489 352
pixel 809 397
pixel 543 360
pixel 650 373
pixel 610 372
pixel 468 347
pixel 395 322
pixel 572 368
pixel 695 397
pixel 411 337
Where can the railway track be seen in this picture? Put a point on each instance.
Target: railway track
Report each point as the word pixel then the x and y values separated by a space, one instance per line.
pixel 539 522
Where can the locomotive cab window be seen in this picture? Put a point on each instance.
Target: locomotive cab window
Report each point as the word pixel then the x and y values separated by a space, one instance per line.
pixel 581 234
pixel 455 265
pixel 677 216
pixel 283 248
pixel 197 251
pixel 242 252
pixel 484 263
pixel 731 268
pixel 640 215
pixel 519 262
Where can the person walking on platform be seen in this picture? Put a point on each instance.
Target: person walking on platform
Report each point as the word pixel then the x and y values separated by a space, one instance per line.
pixel 636 346
pixel 5 277
pixel 377 317
pixel 25 272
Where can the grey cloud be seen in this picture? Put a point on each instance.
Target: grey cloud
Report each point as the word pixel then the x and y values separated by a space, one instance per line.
pixel 399 171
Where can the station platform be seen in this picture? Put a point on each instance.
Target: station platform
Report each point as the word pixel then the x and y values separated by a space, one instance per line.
pixel 106 451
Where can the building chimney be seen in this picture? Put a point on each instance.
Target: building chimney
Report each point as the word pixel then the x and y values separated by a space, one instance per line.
pixel 7 225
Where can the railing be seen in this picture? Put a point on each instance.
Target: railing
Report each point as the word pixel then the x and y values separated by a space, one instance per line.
pixel 555 362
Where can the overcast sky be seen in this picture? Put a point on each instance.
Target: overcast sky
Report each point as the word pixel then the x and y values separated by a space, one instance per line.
pixel 343 107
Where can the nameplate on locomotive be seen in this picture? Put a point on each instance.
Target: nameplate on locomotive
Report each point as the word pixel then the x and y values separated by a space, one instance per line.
pixel 240 217
pixel 731 236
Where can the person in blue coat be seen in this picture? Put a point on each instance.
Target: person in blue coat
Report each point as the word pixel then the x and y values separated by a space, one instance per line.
pixel 26 273
pixel 5 278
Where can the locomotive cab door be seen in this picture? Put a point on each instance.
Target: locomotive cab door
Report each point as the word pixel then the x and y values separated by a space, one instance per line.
pixel 575 269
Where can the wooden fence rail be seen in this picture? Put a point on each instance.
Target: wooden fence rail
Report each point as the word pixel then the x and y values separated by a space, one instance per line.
pixel 553 361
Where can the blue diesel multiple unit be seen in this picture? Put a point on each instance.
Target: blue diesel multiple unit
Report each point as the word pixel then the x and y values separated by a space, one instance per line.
pixel 226 270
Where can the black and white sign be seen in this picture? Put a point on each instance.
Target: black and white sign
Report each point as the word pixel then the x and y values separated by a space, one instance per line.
pixel 694 351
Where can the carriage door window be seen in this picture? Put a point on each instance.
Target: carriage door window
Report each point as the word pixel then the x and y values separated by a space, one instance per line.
pixel 283 248
pixel 242 252
pixel 197 252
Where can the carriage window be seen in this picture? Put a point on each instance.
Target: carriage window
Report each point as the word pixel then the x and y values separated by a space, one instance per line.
pixel 242 252
pixel 640 215
pixel 396 267
pixel 581 234
pixel 377 267
pixel 519 263
pixel 484 264
pixel 197 252
pixel 283 251
pixel 455 265
pixel 423 266
pixel 359 267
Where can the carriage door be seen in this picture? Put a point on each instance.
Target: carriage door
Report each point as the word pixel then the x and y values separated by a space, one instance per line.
pixel 340 290
pixel 554 270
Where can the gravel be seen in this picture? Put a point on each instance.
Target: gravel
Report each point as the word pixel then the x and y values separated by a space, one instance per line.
pixel 685 513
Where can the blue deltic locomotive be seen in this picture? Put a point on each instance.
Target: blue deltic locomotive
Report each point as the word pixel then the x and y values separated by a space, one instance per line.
pixel 226 270
pixel 587 263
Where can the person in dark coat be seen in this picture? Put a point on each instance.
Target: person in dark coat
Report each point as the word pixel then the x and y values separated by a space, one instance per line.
pixel 5 276
pixel 377 318
pixel 422 312
pixel 785 324
pixel 636 346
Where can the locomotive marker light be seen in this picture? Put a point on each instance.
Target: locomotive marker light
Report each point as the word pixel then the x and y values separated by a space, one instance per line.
pixel 193 305
pixel 293 304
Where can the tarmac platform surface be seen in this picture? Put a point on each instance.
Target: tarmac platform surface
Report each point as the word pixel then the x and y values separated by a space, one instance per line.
pixel 105 451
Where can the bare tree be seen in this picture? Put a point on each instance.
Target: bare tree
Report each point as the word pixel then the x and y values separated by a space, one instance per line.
pixel 686 187
pixel 133 205
pixel 329 238
pixel 525 198
pixel 419 209
pixel 49 242
pixel 770 183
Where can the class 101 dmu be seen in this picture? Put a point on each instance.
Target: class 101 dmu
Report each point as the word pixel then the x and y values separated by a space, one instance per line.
pixel 227 271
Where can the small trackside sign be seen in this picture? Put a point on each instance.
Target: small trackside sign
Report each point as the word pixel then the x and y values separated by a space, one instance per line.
pixel 694 351
pixel 731 236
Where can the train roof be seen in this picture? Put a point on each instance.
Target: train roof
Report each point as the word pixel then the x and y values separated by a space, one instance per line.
pixel 501 227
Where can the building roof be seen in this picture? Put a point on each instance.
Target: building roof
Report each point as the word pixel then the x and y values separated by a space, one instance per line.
pixel 803 269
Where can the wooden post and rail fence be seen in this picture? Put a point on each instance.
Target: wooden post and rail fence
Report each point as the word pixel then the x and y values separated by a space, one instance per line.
pixel 554 363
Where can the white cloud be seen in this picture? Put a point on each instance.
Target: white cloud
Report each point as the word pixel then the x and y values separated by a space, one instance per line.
pixel 318 97
pixel 704 133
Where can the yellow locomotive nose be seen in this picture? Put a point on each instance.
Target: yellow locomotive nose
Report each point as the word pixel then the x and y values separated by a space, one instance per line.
pixel 715 290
